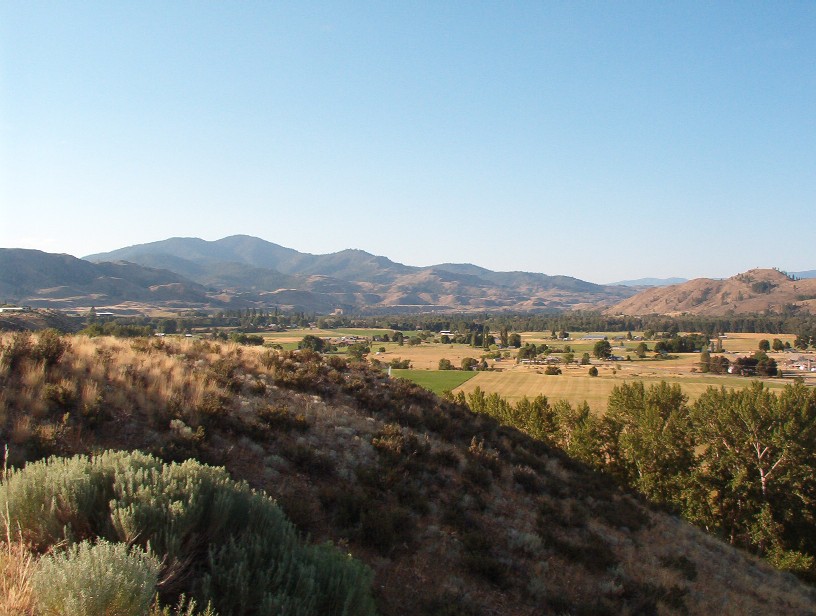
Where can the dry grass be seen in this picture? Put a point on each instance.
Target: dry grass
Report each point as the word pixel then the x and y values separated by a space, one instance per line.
pixel 151 395
pixel 575 386
pixel 16 568
pixel 426 356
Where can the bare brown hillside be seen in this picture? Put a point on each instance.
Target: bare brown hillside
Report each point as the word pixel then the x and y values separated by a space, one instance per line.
pixel 755 291
pixel 455 513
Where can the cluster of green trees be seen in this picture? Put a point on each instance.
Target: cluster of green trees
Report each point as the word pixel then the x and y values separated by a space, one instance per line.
pixel 759 364
pixel 739 463
pixel 691 343
pixel 530 351
pixel 118 329
pixel 467 363
pixel 247 320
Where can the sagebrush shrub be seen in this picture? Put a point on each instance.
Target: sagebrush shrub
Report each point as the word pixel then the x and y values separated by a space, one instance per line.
pixel 101 579
pixel 218 539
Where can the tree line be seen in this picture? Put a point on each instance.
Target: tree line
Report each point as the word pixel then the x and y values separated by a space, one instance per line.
pixel 739 463
pixel 802 326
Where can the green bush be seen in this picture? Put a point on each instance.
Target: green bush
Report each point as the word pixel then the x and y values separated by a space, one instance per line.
pixel 219 541
pixel 16 351
pixel 99 579
pixel 50 347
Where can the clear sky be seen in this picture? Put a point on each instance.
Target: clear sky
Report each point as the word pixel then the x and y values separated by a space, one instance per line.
pixel 602 140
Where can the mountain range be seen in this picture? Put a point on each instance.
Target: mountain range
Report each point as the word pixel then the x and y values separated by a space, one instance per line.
pixel 245 271
pixel 354 280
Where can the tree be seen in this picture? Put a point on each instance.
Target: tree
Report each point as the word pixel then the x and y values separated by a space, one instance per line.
pixel 312 343
pixel 758 466
pixel 705 361
pixel 468 363
pixel 641 349
pixel 802 341
pixel 719 364
pixel 576 431
pixel 514 340
pixel 358 350
pixel 167 326
pixel 445 364
pixel 649 440
pixel 777 345
pixel 528 351
pixel 585 361
pixel 569 357
pixel 764 345
pixel 593 371
pixel 602 349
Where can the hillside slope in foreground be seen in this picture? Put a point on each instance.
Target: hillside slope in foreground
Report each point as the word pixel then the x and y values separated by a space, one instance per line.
pixel 454 513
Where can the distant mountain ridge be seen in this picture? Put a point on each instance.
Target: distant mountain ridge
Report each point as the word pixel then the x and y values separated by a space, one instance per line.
pixel 650 282
pixel 752 292
pixel 52 280
pixel 244 271
pixel 357 280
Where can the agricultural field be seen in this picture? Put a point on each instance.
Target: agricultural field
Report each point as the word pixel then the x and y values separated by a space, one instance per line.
pixel 514 381
pixel 576 386
pixel 426 356
pixel 289 339
pixel 437 381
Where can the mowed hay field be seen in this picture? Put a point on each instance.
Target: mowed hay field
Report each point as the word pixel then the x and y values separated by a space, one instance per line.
pixel 576 386
pixel 290 338
pixel 426 356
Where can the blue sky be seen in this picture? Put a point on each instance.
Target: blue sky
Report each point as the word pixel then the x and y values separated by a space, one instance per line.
pixel 602 140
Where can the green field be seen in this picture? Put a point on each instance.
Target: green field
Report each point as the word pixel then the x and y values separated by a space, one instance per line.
pixel 435 380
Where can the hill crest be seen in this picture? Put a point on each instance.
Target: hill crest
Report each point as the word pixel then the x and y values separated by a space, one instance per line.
pixel 752 292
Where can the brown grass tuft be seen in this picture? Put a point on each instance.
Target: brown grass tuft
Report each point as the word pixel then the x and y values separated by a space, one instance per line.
pixel 16 568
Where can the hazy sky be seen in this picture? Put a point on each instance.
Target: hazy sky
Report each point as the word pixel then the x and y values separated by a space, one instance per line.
pixel 602 140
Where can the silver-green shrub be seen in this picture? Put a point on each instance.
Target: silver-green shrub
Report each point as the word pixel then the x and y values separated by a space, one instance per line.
pixel 101 579
pixel 219 540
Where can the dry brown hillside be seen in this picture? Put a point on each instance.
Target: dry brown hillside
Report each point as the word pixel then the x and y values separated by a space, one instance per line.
pixel 752 292
pixel 455 513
